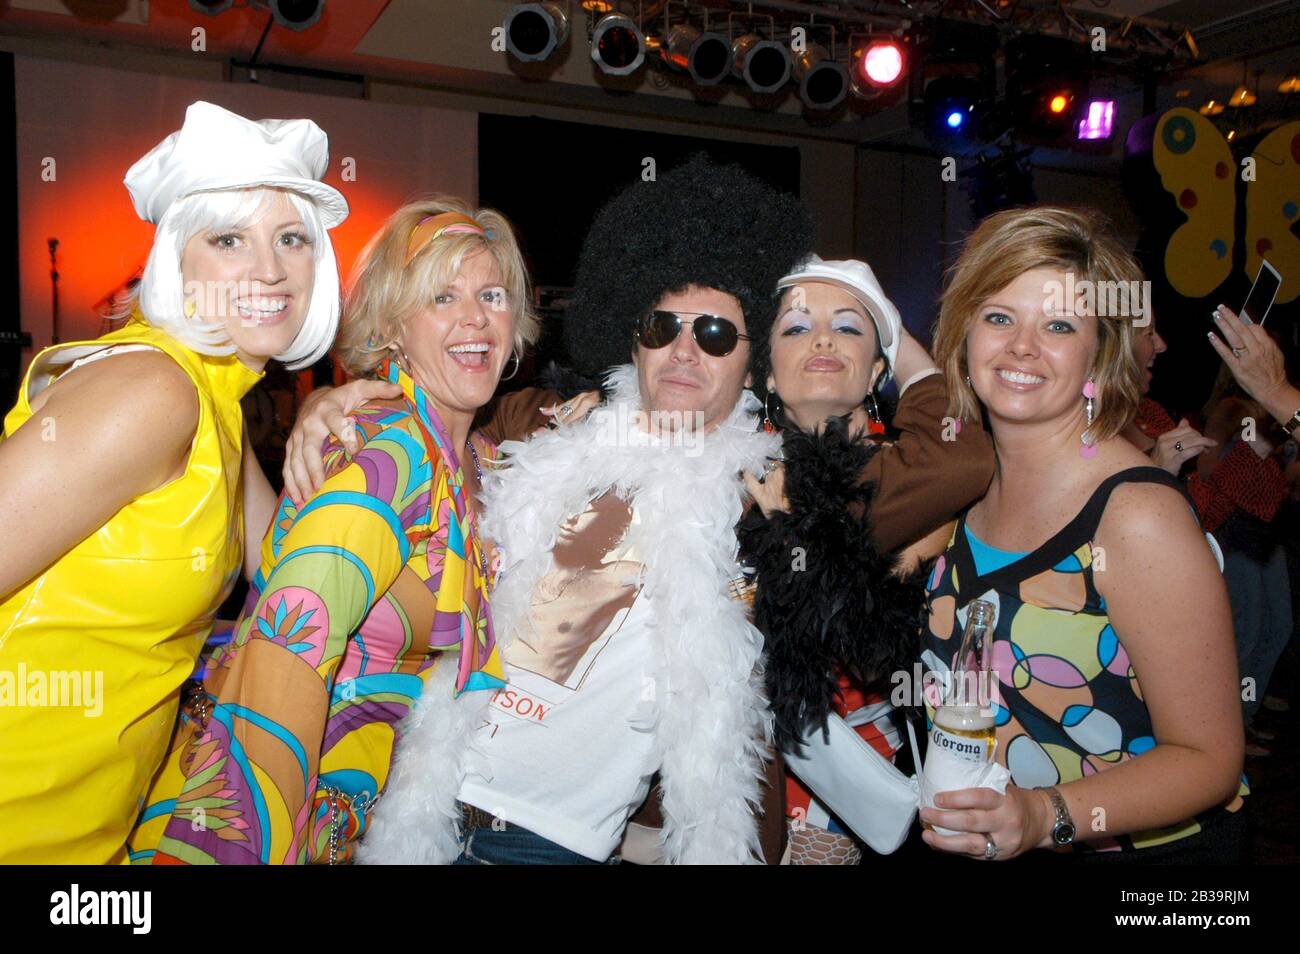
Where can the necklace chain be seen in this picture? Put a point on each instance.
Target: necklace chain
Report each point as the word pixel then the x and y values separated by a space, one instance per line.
pixel 478 470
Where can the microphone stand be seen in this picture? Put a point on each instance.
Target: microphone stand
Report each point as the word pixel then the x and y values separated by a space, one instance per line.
pixel 54 288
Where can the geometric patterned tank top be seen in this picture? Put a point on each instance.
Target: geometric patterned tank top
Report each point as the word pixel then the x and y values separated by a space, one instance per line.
pixel 1070 704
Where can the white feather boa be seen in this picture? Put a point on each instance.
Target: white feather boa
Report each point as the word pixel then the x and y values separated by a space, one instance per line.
pixel 713 724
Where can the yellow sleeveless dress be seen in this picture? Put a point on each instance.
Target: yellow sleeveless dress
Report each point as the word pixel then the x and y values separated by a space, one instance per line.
pixel 94 650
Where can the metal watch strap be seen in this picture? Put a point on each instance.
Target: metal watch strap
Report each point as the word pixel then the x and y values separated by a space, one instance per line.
pixel 1063 818
pixel 1291 425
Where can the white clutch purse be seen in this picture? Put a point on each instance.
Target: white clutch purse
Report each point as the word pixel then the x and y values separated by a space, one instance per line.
pixel 859 785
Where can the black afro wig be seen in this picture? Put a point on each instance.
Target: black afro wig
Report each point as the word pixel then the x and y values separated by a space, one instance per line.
pixel 702 224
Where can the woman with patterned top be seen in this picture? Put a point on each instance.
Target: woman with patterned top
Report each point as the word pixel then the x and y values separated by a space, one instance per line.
pixel 371 581
pixel 1116 710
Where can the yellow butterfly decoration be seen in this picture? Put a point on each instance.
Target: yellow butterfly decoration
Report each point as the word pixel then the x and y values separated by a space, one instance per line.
pixel 1197 168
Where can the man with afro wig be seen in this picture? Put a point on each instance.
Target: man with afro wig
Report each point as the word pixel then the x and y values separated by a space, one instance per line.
pixel 620 607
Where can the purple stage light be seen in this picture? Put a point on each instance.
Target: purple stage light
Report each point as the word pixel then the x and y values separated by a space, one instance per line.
pixel 1099 120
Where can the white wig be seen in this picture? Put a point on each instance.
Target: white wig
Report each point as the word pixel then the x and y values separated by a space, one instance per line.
pixel 161 293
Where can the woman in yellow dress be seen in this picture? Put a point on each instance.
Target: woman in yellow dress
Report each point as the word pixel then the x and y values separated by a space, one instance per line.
pixel 120 480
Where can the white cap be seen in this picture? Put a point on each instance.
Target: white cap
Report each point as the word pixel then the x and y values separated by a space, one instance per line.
pixel 858 280
pixel 217 149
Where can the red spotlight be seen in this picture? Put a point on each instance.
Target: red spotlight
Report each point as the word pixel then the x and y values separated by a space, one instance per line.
pixel 880 63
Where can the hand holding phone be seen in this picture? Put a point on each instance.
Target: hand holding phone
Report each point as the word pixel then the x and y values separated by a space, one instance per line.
pixel 1262 294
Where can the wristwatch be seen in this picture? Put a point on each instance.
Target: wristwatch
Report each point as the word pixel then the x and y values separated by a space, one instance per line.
pixel 1063 829
pixel 1291 425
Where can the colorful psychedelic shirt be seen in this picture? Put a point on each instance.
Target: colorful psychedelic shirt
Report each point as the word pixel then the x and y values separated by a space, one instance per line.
pixel 378 577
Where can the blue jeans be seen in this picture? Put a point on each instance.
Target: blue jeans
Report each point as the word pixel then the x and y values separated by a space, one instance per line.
pixel 516 846
pixel 1261 617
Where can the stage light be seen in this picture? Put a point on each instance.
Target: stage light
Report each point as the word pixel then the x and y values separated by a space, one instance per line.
pixel 881 63
pixel 297 14
pixel 953 107
pixel 1047 84
pixel 877 65
pixel 764 64
pixel 617 45
pixel 535 30
pixel 823 83
pixel 706 56
pixel 211 7
pixel 1211 107
pixel 952 81
pixel 1290 84
pixel 1098 120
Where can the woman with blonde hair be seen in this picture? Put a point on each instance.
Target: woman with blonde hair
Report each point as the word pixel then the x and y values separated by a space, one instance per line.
pixel 120 475
pixel 1116 702
pixel 374 579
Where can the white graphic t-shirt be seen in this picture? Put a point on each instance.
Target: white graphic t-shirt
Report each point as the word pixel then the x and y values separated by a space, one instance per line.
pixel 568 748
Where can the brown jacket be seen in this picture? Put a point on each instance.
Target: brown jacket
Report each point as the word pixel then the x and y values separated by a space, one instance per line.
pixel 922 482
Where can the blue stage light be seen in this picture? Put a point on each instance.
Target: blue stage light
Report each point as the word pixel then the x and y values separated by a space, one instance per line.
pixel 955 119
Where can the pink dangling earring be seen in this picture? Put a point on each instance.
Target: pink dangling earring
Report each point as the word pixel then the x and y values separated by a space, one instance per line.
pixel 1088 450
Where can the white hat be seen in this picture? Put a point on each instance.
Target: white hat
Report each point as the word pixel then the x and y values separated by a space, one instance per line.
pixel 858 280
pixel 217 149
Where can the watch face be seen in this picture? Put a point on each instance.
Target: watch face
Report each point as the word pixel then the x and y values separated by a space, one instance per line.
pixel 1063 833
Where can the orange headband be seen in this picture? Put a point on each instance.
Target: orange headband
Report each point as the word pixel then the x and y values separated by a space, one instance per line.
pixel 433 226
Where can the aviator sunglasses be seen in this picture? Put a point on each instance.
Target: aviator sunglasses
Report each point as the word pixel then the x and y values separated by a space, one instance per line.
pixel 715 336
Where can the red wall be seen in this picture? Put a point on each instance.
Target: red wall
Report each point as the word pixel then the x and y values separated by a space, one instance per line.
pixel 95 122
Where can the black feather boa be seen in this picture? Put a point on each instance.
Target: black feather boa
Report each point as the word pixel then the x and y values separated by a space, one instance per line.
pixel 834 604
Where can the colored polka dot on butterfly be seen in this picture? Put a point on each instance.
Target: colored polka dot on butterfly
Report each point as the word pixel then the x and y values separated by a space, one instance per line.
pixel 1295 147
pixel 1187 199
pixel 1263 246
pixel 1289 210
pixel 1219 247
pixel 1179 135
pixel 1221 170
